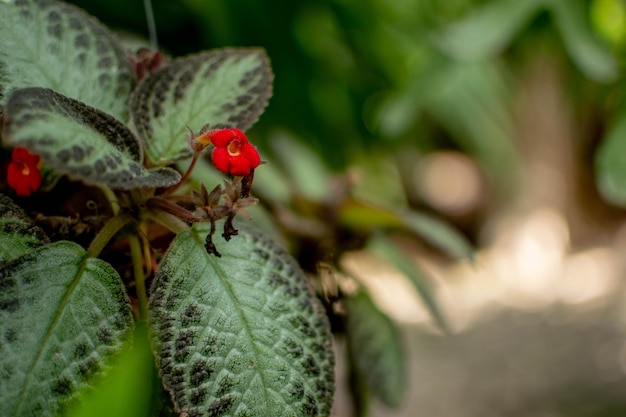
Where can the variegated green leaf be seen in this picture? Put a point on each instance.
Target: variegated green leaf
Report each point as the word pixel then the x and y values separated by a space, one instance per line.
pixel 18 233
pixel 240 335
pixel 46 43
pixel 223 86
pixel 62 317
pixel 78 140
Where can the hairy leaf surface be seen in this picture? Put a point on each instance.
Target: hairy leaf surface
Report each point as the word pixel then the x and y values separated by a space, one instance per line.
pixel 222 86
pixel 18 233
pixel 61 316
pixel 240 335
pixel 55 45
pixel 375 348
pixel 78 140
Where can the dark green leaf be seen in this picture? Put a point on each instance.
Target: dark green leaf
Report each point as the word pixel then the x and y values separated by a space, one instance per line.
pixel 55 45
pixel 18 233
pixel 387 250
pixel 243 334
pixel 223 86
pixel 62 315
pixel 78 140
pixel 375 348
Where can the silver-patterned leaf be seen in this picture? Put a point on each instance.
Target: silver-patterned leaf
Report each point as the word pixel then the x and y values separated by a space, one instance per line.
pixel 46 43
pixel 240 335
pixel 18 233
pixel 222 86
pixel 78 140
pixel 62 317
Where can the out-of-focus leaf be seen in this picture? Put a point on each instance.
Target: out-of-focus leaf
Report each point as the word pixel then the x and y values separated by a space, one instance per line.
pixel 243 334
pixel 55 45
pixel 375 348
pixel 219 87
pixel 390 252
pixel 593 58
pixel 436 232
pixel 608 18
pixel 18 233
pixel 62 316
pixel 127 389
pixel 487 30
pixel 610 164
pixel 303 167
pixel 78 140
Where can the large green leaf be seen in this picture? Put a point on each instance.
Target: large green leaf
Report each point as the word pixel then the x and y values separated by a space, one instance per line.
pixel 242 334
pixel 18 233
pixel 46 43
pixel 375 348
pixel 62 315
pixel 223 86
pixel 78 140
pixel 610 164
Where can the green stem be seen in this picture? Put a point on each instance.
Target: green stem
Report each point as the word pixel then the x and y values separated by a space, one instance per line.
pixel 140 277
pixel 112 199
pixel 104 236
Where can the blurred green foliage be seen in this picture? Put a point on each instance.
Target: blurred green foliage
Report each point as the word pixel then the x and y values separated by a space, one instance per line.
pixel 361 79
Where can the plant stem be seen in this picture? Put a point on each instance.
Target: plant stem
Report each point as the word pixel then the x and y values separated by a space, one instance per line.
pixel 140 277
pixel 112 199
pixel 185 176
pixel 154 45
pixel 104 236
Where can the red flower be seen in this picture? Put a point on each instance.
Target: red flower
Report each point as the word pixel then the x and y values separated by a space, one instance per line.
pixel 233 154
pixel 23 173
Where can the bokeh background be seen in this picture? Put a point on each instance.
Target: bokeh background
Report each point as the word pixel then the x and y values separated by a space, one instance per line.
pixel 504 117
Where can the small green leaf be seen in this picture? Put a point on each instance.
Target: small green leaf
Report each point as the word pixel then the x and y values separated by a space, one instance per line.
pixel 62 316
pixel 375 349
pixel 488 29
pixel 592 56
pixel 387 250
pixel 610 164
pixel 18 233
pixel 78 140
pixel 223 86
pixel 243 334
pixel 436 232
pixel 55 45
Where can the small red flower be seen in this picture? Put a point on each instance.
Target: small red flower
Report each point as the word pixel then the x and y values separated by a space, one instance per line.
pixel 23 173
pixel 233 154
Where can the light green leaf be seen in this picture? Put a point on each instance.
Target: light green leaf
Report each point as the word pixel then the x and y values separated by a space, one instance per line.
pixel 438 233
pixel 218 87
pixel 78 140
pixel 375 349
pixel 55 45
pixel 18 233
pixel 356 214
pixel 62 315
pixel 127 390
pixel 489 29
pixel 243 334
pixel 388 251
pixel 610 164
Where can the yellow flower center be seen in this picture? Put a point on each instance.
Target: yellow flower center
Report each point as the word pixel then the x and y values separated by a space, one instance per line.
pixel 234 147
